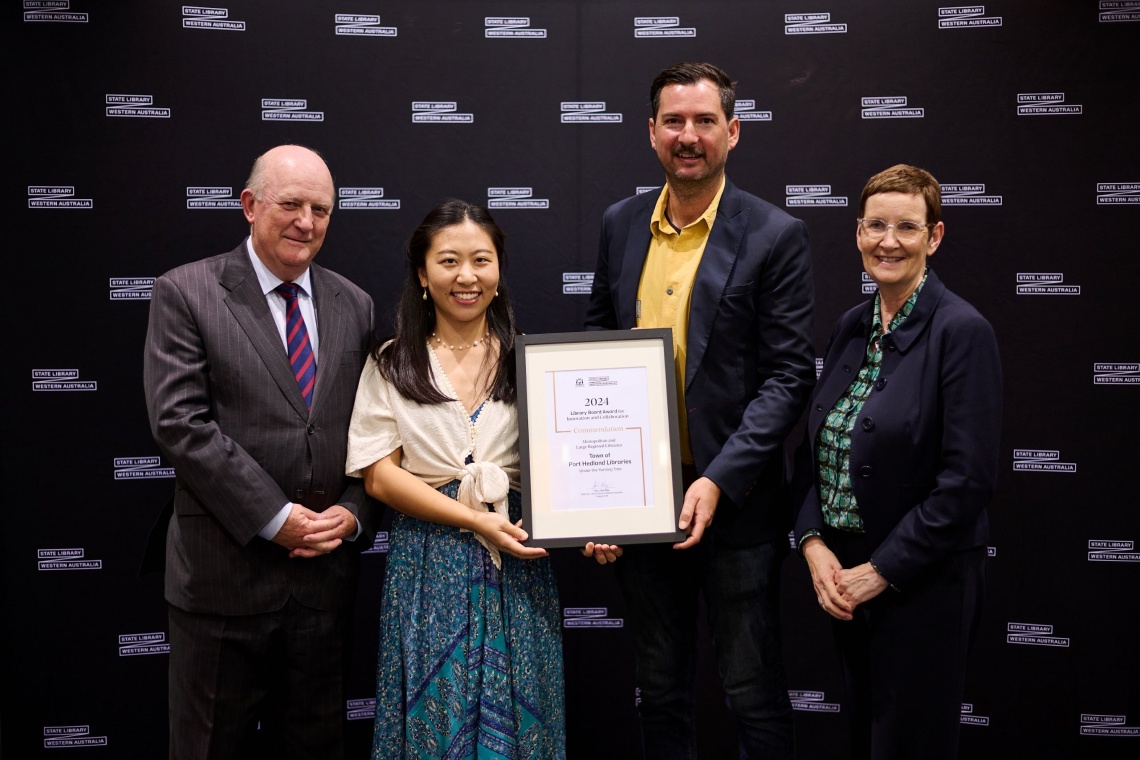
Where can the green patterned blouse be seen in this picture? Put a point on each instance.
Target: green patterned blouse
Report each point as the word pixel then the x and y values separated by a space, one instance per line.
pixel 833 449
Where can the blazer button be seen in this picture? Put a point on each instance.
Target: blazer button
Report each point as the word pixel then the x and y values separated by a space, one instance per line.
pixel 880 384
pixel 866 471
pixel 669 291
pixel 312 429
pixel 868 424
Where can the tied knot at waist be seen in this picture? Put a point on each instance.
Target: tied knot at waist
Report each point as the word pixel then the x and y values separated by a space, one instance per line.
pixel 482 484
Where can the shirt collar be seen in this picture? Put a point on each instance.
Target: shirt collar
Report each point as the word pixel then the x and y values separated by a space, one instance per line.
pixel 903 313
pixel 270 281
pixel 658 224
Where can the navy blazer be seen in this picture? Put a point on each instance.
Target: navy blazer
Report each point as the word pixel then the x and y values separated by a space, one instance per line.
pixel 924 449
pixel 750 364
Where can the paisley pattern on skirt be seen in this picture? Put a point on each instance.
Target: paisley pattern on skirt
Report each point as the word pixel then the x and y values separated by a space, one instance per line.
pixel 470 661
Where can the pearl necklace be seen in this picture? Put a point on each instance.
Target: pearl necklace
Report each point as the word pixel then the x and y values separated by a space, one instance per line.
pixel 439 342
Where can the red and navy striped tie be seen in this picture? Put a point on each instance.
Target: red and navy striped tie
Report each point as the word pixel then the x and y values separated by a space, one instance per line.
pixel 297 339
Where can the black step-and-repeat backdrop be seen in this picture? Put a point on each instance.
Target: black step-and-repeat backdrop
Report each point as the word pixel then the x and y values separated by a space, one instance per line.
pixel 130 133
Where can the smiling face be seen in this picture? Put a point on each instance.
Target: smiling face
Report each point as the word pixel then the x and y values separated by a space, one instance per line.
pixel 896 266
pixel 461 273
pixel 289 214
pixel 691 134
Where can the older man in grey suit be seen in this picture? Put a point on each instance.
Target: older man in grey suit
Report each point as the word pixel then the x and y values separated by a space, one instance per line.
pixel 251 365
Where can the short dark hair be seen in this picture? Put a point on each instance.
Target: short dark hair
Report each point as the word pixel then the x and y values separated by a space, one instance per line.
pixel 406 363
pixel 691 73
pixel 904 178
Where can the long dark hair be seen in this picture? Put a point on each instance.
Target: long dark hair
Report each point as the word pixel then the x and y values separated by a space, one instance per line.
pixel 405 363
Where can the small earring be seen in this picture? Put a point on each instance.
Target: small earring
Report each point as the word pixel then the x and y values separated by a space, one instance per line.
pixel 425 294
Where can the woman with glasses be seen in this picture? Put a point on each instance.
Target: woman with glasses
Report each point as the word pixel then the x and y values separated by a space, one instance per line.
pixel 899 462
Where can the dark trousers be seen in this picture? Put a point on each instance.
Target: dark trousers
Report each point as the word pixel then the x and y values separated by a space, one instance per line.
pixel 904 656
pixel 741 588
pixel 282 669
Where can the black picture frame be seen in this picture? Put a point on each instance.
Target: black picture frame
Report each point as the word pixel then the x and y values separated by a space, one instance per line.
pixel 536 357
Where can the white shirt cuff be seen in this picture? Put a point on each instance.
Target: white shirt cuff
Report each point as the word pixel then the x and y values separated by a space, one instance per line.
pixel 274 526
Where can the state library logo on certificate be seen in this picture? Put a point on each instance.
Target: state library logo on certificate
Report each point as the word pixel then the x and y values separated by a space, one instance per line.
pixel 597 425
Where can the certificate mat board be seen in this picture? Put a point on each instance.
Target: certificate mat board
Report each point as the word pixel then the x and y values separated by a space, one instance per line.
pixel 598 437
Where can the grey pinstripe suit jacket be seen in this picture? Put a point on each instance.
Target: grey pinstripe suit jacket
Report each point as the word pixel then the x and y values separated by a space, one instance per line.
pixel 228 415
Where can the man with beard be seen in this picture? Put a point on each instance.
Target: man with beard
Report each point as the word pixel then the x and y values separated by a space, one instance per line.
pixel 731 275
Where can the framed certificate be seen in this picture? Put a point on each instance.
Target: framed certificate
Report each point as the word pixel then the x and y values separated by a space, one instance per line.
pixel 598 437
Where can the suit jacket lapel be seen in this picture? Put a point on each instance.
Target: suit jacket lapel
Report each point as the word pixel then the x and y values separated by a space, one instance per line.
pixel 330 326
pixel 716 265
pixel 636 251
pixel 927 303
pixel 247 303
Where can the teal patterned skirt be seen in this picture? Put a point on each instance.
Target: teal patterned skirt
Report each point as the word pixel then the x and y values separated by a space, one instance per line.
pixel 470 662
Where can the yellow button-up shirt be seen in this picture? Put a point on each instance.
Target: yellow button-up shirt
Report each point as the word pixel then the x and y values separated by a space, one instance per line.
pixel 666 287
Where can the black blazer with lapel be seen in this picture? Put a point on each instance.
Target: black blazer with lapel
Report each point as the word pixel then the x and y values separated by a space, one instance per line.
pixel 924 449
pixel 750 363
pixel 228 415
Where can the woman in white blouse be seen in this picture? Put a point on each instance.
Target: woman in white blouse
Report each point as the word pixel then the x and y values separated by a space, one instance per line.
pixel 470 642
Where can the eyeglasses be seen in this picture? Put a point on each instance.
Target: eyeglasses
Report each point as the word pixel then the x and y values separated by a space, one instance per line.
pixel 908 232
